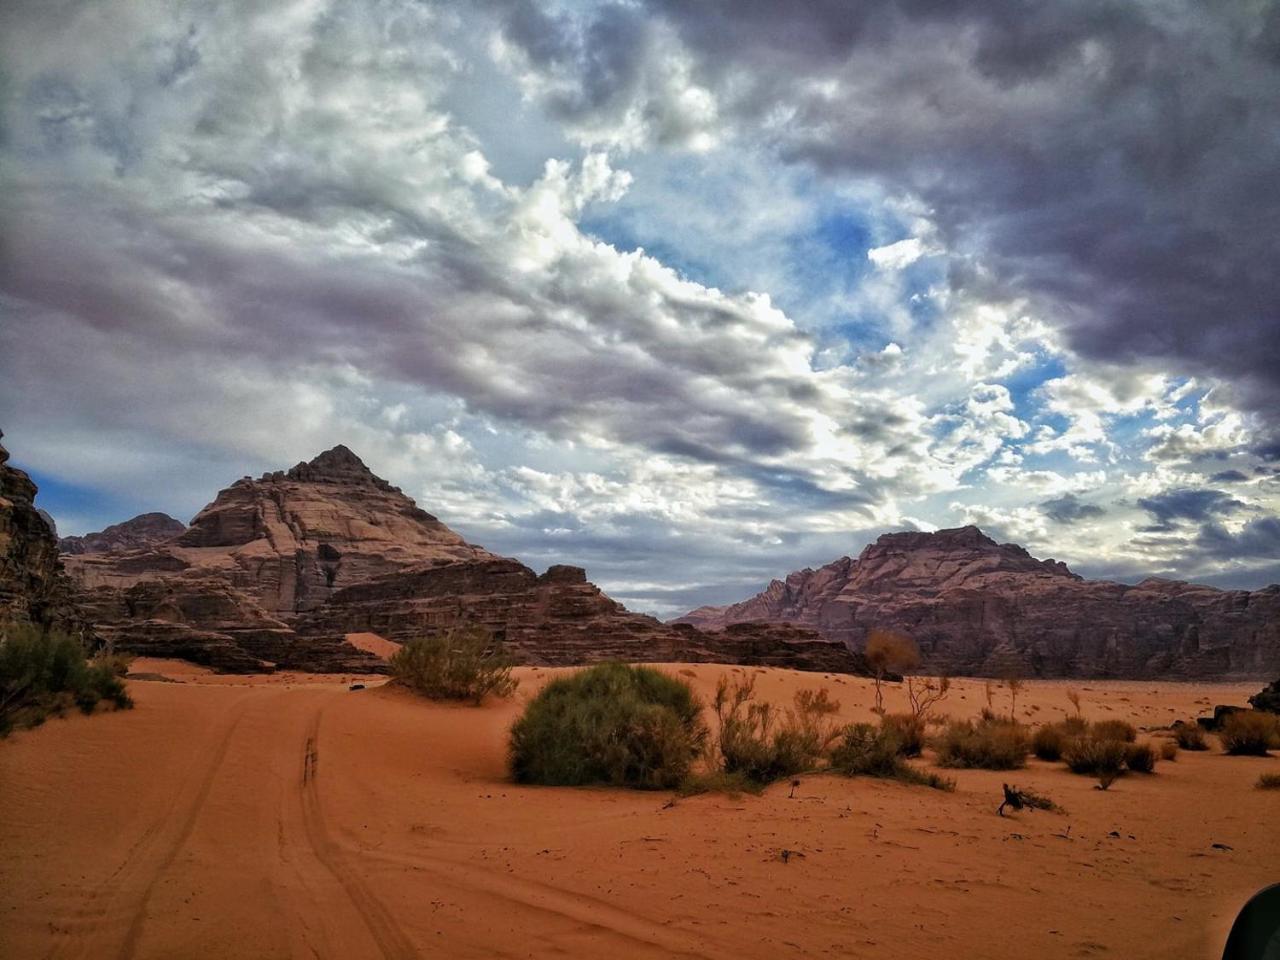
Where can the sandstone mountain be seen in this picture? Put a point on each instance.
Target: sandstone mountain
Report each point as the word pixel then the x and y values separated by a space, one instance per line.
pixel 33 587
pixel 142 531
pixel 982 608
pixel 276 572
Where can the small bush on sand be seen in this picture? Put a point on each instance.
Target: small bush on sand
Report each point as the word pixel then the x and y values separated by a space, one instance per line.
pixel 888 651
pixel 1099 758
pixel 1168 750
pixel 1250 733
pixel 1140 758
pixel 1190 736
pixel 1074 726
pixel 765 744
pixel 44 671
pixel 717 781
pixel 610 724
pixel 1048 742
pixel 990 744
pixel 464 663
pixel 1113 730
pixel 1269 781
pixel 907 730
pixel 864 750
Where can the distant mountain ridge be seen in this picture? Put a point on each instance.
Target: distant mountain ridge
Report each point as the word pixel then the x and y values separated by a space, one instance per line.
pixel 979 607
pixel 277 571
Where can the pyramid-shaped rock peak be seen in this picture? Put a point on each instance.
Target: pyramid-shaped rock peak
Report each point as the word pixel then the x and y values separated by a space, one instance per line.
pixel 984 608
pixel 337 465
pixel 288 540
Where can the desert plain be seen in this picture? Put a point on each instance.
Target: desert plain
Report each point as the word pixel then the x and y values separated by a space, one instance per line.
pixel 291 816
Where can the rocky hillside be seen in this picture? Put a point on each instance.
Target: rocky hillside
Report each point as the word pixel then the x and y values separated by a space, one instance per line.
pixel 144 530
pixel 275 572
pixel 33 587
pixel 982 608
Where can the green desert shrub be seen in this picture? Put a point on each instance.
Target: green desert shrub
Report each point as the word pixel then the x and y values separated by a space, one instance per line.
pixel 1140 758
pixel 464 663
pixel 1076 726
pixel 764 744
pixel 1169 750
pixel 864 750
pixel 1113 730
pixel 44 671
pixel 1190 736
pixel 1250 733
pixel 992 743
pixel 1269 781
pixel 609 724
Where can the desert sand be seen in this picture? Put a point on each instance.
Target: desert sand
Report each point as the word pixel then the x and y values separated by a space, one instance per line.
pixel 289 816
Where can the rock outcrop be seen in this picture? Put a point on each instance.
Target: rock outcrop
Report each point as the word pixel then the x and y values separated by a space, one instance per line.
pixel 145 530
pixel 982 608
pixel 558 618
pixel 33 586
pixel 276 572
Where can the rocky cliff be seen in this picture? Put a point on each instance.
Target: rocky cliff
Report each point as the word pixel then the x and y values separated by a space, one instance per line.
pixel 983 608
pixel 275 572
pixel 33 587
pixel 145 530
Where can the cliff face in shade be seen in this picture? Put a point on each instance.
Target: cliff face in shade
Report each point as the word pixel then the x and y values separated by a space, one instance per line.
pixel 145 530
pixel 277 571
pixel 33 587
pixel 983 608
pixel 555 619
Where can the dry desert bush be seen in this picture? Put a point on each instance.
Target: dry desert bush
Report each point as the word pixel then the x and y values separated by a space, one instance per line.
pixel 991 744
pixel 1140 758
pixel 464 663
pixel 1169 750
pixel 865 750
pixel 1250 733
pixel 1269 781
pixel 762 743
pixel 1190 736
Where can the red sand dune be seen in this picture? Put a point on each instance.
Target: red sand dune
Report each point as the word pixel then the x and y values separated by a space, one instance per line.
pixel 287 816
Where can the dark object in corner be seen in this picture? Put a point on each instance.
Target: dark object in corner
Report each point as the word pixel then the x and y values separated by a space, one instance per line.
pixel 356 686
pixel 1256 933
pixel 1268 698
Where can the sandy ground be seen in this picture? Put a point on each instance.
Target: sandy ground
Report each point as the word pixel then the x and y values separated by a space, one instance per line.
pixel 291 817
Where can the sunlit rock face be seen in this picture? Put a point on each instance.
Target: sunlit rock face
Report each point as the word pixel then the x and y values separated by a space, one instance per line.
pixel 979 607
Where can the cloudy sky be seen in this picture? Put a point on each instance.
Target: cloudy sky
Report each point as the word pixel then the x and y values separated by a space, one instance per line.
pixel 692 294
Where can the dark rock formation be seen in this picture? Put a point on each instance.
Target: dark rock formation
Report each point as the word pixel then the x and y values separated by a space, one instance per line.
pixel 1268 698
pixel 277 571
pixel 555 619
pixel 33 587
pixel 144 530
pixel 981 608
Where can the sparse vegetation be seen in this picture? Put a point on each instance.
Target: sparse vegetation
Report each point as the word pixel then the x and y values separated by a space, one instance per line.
pixel 864 750
pixel 1048 742
pixel 1014 683
pixel 43 672
pixel 1073 697
pixel 1250 733
pixel 923 693
pixel 464 663
pixel 610 724
pixel 888 651
pixel 990 744
pixel 1269 781
pixel 764 744
pixel 1025 800
pixel 1169 750
pixel 1113 730
pixel 908 730
pixel 1140 758
pixel 1102 758
pixel 1190 736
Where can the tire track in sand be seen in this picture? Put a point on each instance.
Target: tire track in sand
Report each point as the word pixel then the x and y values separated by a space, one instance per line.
pixel 386 933
pixel 145 850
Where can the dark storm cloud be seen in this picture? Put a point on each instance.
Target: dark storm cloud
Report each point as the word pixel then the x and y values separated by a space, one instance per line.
pixel 1228 476
pixel 1258 538
pixel 1186 504
pixel 1069 508
pixel 1113 160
